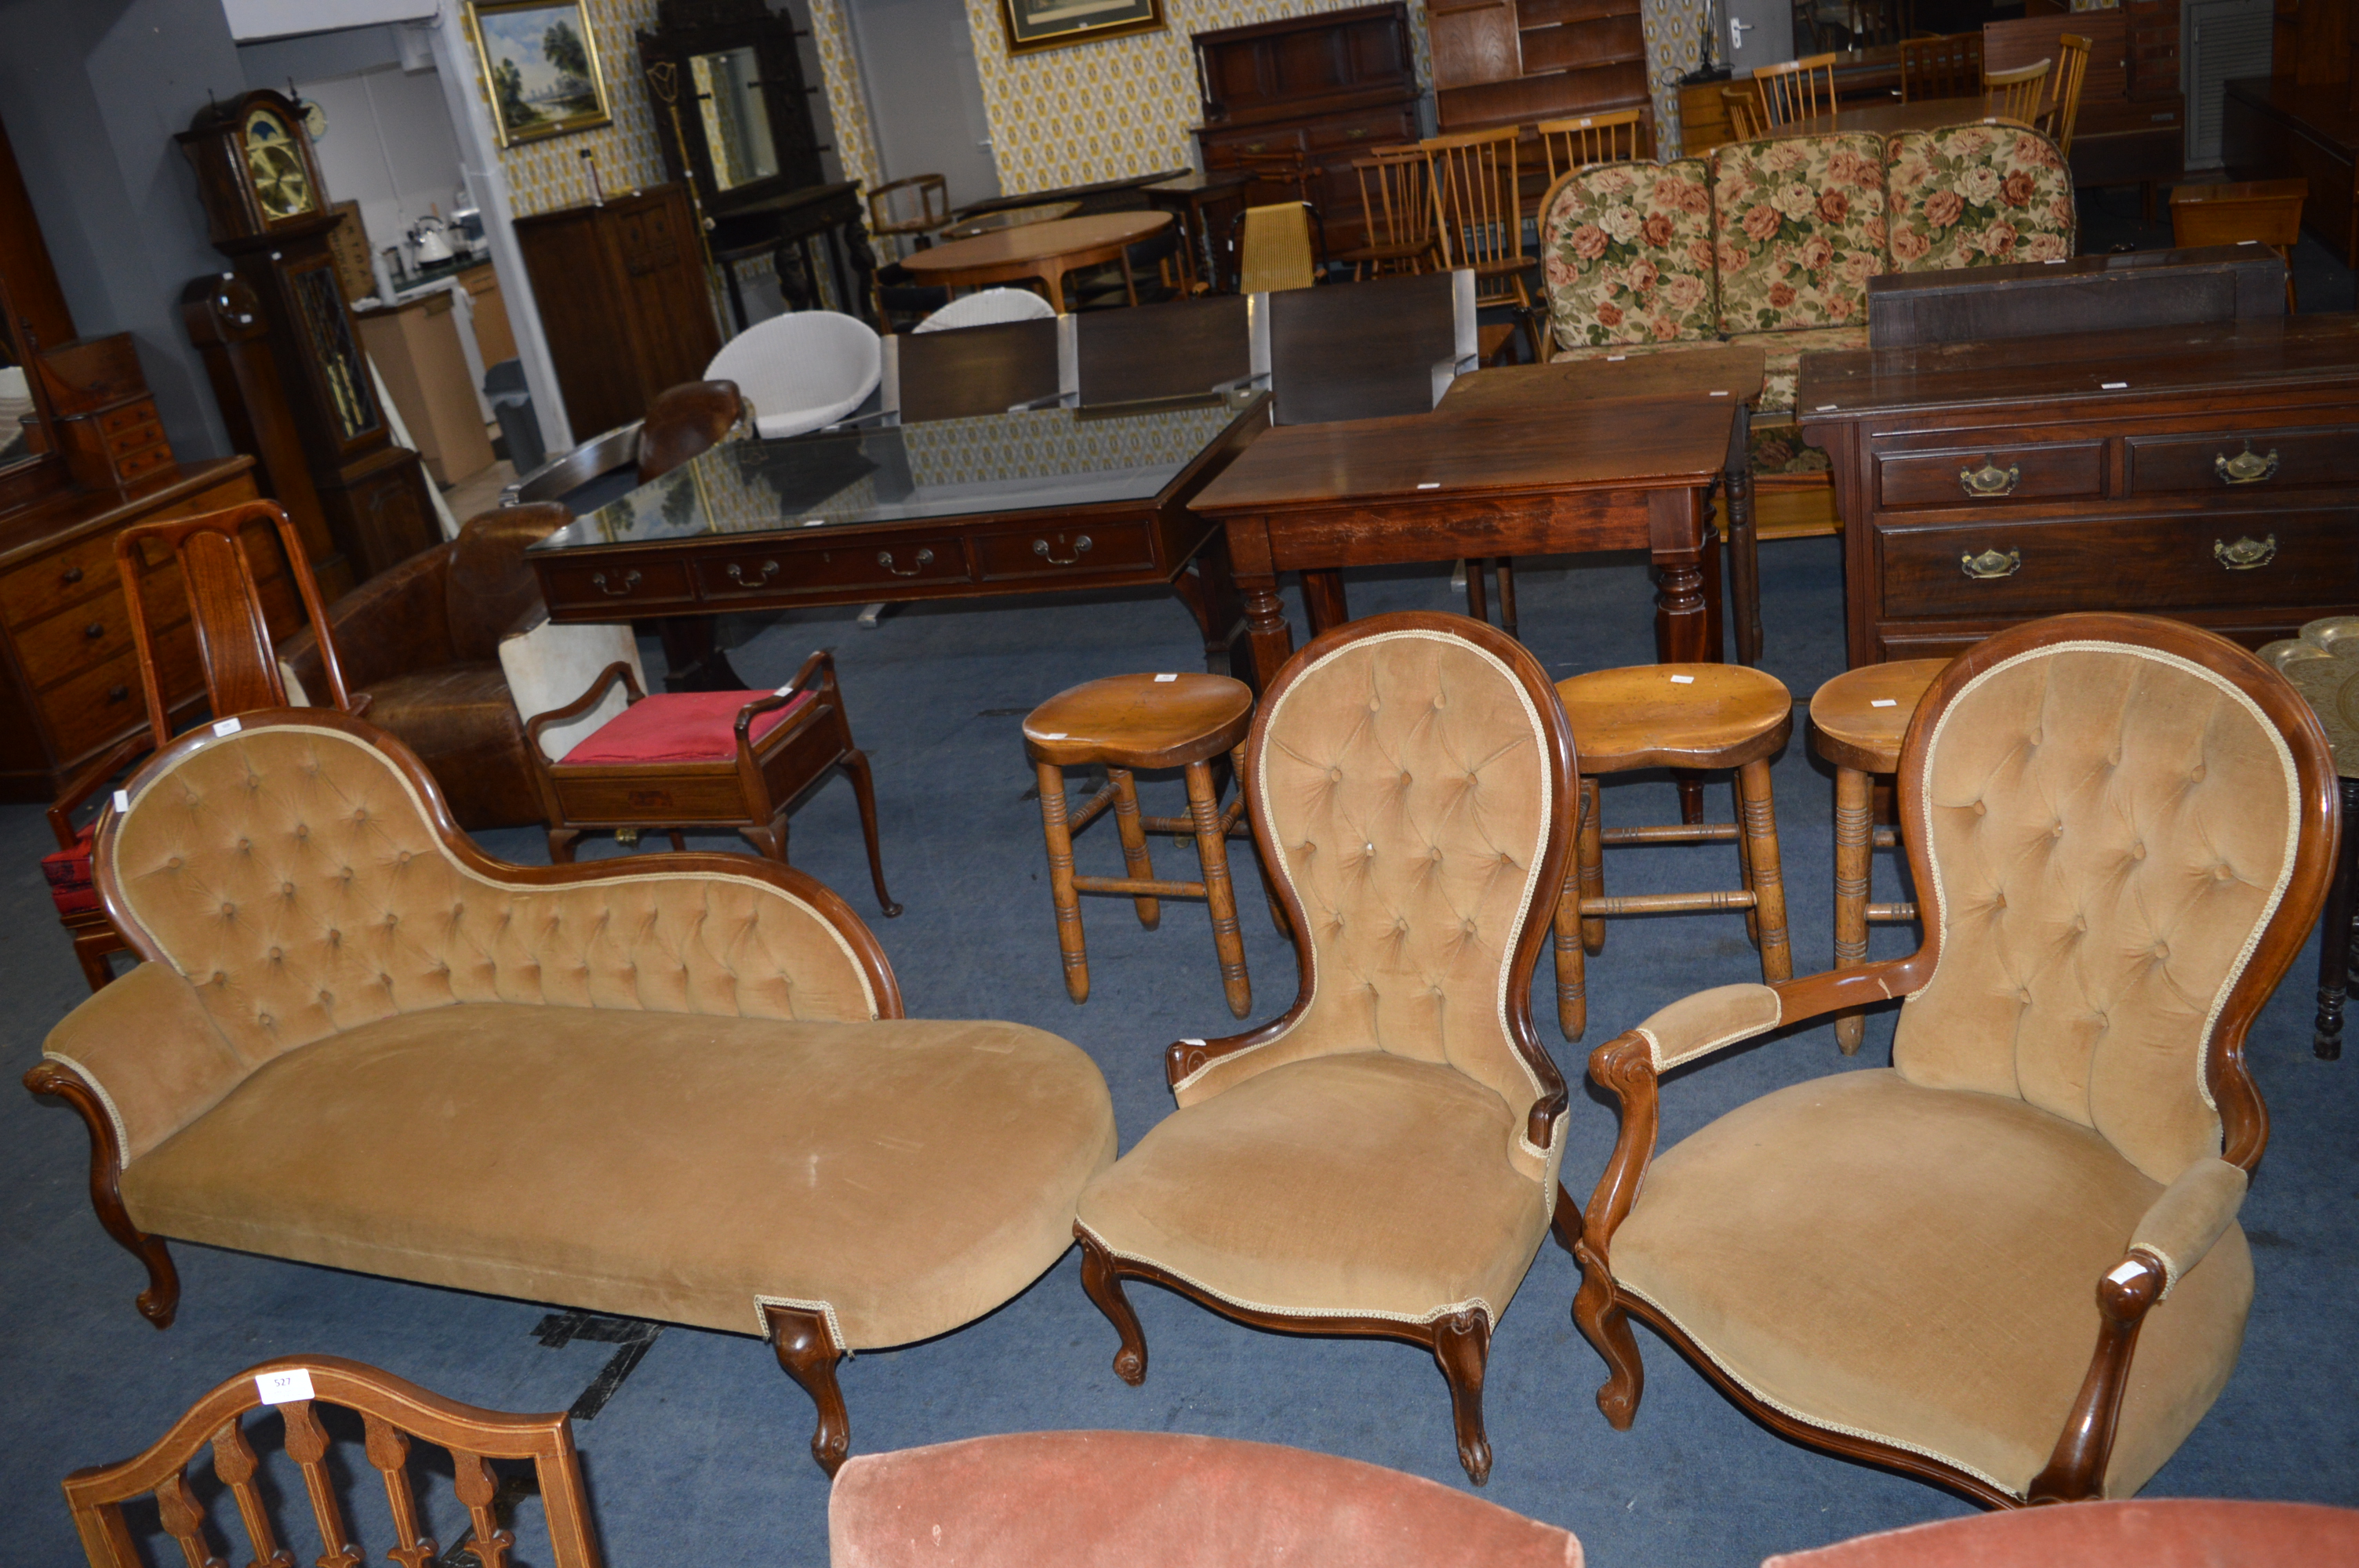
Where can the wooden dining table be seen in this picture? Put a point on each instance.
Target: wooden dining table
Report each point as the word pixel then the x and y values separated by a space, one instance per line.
pixel 1043 251
pixel 1890 119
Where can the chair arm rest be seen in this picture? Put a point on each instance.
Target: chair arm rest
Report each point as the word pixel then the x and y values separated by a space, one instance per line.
pixel 620 670
pixel 549 664
pixel 149 1054
pixel 2192 1213
pixel 1710 1020
pixel 78 792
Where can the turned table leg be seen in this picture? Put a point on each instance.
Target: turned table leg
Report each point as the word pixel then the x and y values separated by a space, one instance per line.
pixel 2335 935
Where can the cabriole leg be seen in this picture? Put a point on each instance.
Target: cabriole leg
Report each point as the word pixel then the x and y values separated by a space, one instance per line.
pixel 809 1353
pixel 1462 1343
pixel 1105 1288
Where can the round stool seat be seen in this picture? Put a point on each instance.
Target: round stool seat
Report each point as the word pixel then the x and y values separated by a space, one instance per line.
pixel 1140 721
pixel 1858 718
pixel 1675 716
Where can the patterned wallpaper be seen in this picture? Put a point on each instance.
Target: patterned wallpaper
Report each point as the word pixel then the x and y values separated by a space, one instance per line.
pixel 855 142
pixel 1674 48
pixel 1100 111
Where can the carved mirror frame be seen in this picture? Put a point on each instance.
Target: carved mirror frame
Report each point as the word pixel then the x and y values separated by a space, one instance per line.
pixel 686 29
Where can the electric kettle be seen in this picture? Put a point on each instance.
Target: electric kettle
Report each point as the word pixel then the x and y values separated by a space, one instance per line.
pixel 431 239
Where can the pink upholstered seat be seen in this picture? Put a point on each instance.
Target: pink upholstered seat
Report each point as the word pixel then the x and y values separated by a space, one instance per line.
pixel 2173 1532
pixel 680 726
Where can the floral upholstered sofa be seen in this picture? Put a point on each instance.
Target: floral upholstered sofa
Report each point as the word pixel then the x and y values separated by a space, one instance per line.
pixel 1770 244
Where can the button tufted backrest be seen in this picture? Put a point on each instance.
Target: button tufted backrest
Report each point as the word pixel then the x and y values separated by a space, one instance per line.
pixel 292 873
pixel 1408 787
pixel 2109 827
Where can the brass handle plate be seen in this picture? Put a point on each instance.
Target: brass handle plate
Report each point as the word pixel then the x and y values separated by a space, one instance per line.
pixel 2246 466
pixel 2246 554
pixel 925 558
pixel 630 582
pixel 1990 479
pixel 1990 564
pixel 737 576
pixel 1081 548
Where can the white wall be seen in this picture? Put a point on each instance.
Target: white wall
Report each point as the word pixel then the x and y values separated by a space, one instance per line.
pixel 389 147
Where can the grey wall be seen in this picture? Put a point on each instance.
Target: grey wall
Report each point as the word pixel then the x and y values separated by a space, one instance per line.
pixel 311 57
pixel 94 92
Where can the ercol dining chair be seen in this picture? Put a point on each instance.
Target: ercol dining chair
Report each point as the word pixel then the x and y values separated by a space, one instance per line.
pixel 910 209
pixel 1948 65
pixel 1478 211
pixel 1380 1161
pixel 1397 212
pixel 2064 108
pixel 2017 94
pixel 393 1411
pixel 1568 145
pixel 801 372
pixel 1797 88
pixel 1746 119
pixel 2009 1264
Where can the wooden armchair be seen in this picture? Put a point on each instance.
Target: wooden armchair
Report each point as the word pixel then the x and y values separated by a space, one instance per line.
pixel 392 1413
pixel 2121 829
pixel 1381 1160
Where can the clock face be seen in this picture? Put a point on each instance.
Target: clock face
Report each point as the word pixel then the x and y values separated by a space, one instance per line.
pixel 282 183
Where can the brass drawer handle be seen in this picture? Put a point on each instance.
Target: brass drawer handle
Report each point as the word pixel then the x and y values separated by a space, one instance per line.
pixel 2246 466
pixel 1990 479
pixel 2246 554
pixel 1081 548
pixel 1990 564
pixel 769 571
pixel 925 559
pixel 630 582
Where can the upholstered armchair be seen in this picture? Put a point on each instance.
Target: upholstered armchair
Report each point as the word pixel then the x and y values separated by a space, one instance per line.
pixel 2010 1263
pixel 454 648
pixel 1381 1160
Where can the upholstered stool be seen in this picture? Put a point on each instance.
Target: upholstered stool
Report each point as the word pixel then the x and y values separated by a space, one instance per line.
pixel 1128 723
pixel 1702 717
pixel 1857 720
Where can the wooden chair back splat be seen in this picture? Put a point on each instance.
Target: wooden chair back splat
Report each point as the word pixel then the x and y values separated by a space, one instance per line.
pixel 1591 138
pixel 392 1413
pixel 2017 94
pixel 1745 116
pixel 1477 209
pixel 2064 107
pixel 1397 211
pixel 1797 90
pixel 1950 66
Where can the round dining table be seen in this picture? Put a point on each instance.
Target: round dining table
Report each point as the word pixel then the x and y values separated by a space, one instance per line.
pixel 1043 251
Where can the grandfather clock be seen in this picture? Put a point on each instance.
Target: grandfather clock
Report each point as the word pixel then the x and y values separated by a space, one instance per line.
pixel 268 212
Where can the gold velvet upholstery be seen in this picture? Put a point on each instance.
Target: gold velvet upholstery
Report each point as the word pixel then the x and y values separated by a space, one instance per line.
pixel 2120 832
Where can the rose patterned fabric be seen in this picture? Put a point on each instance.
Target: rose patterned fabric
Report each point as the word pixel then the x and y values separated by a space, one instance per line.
pixel 1801 230
pixel 1975 195
pixel 1774 445
pixel 1627 249
pixel 1781 362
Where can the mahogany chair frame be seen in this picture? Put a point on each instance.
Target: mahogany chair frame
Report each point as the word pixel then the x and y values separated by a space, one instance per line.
pixel 1625 1066
pixel 1398 214
pixel 2016 95
pixel 2063 110
pixel 1947 66
pixel 1795 90
pixel 1616 137
pixel 752 791
pixel 393 1411
pixel 1459 1343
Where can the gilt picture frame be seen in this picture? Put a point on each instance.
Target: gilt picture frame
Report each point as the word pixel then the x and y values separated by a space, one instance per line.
pixel 540 68
pixel 1035 25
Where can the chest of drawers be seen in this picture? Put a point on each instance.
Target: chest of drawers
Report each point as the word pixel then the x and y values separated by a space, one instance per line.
pixel 2206 473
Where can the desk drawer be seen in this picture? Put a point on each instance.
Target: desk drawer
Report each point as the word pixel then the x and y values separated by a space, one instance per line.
pixel 778 574
pixel 95 706
pixel 1066 552
pixel 1377 128
pixel 71 641
pixel 1220 149
pixel 2122 563
pixel 2242 463
pixel 39 587
pixel 631 589
pixel 1991 476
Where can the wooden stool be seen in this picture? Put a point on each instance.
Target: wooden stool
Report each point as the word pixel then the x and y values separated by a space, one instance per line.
pixel 2322 663
pixel 1690 717
pixel 1857 720
pixel 1127 723
pixel 2263 211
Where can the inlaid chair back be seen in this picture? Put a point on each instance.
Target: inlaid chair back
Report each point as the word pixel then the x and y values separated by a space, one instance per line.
pixel 1798 88
pixel 1476 206
pixel 1568 145
pixel 1947 67
pixel 1396 203
pixel 2109 830
pixel 393 1411
pixel 225 609
pixel 1411 778
pixel 2064 106
pixel 2019 94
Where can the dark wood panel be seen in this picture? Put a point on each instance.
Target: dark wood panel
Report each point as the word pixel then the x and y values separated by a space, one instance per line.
pixel 1606 41
pixel 976 370
pixel 2141 288
pixel 1477 44
pixel 2249 461
pixel 2271 129
pixel 1589 91
pixel 1549 13
pixel 1154 352
pixel 1950 477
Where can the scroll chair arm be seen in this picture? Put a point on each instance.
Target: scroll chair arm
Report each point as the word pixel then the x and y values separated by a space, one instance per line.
pixel 1186 1058
pixel 84 787
pixel 617 671
pixel 817 676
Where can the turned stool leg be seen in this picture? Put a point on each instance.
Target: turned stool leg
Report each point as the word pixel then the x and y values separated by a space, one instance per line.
pixel 1213 848
pixel 1855 800
pixel 1571 969
pixel 1134 843
pixel 1591 846
pixel 1760 830
pixel 1060 880
pixel 1744 862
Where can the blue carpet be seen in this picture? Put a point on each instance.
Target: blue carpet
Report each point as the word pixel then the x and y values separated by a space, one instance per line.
pixel 700 1456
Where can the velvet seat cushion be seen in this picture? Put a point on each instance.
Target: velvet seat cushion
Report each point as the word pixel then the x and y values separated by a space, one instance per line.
pixel 2160 1533
pixel 682 727
pixel 1920 1265
pixel 1361 1184
pixel 908 1175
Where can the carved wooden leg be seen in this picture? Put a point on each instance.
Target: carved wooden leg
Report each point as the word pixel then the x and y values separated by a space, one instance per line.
pixel 2077 1468
pixel 809 1353
pixel 1744 563
pixel 1134 844
pixel 1506 565
pixel 1760 831
pixel 1477 605
pixel 863 794
pixel 1606 1326
pixel 1591 846
pixel 1571 969
pixel 1271 639
pixel 1744 862
pixel 770 839
pixel 1323 599
pixel 560 845
pixel 1854 793
pixel 1060 882
pixel 1461 1344
pixel 1564 1222
pixel 2335 935
pixel 1212 849
pixel 161 1298
pixel 1105 1288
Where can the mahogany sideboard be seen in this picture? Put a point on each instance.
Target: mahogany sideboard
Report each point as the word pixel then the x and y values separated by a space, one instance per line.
pixel 2209 473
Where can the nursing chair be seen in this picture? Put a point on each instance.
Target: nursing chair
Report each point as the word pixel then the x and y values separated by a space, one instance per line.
pixel 2120 828
pixel 1381 1160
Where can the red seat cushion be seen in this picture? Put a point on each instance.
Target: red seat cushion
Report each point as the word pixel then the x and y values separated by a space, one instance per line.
pixel 68 871
pixel 680 726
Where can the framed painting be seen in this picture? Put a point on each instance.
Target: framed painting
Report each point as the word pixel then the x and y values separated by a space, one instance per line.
pixel 1035 25
pixel 540 68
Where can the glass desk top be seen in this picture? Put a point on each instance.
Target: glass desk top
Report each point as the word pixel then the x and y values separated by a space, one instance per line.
pixel 1032 461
